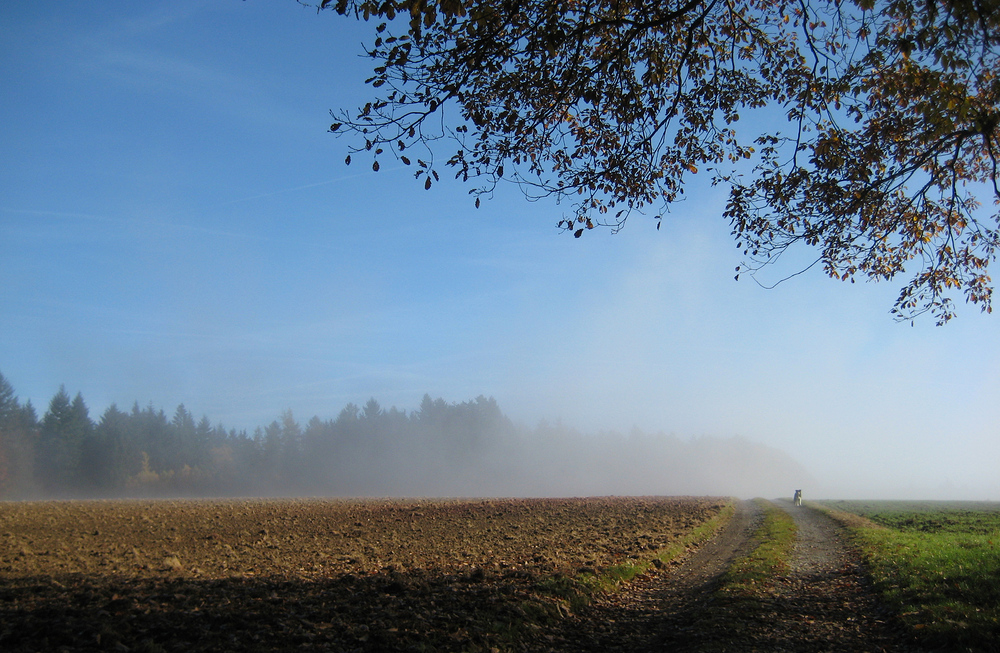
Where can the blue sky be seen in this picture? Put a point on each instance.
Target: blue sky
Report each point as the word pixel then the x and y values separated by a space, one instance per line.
pixel 177 226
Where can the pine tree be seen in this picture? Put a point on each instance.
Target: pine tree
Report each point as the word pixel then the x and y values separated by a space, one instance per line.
pixel 65 428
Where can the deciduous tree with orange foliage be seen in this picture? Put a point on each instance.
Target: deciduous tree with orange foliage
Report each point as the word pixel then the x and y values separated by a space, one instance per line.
pixel 870 126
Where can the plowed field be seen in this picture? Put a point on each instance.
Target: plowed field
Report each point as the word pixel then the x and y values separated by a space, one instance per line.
pixel 313 574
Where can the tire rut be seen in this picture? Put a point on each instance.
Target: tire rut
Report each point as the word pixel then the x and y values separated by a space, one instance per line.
pixel 656 608
pixel 824 602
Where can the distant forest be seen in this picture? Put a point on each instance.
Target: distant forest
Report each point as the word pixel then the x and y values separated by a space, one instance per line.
pixel 441 449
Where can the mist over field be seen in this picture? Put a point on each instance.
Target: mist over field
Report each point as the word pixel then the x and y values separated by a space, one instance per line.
pixel 177 226
pixel 468 449
pixel 439 449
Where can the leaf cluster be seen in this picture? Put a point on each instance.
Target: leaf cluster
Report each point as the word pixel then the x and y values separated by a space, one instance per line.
pixel 885 137
pixel 894 136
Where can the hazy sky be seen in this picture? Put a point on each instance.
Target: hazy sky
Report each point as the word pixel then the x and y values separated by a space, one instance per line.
pixel 176 225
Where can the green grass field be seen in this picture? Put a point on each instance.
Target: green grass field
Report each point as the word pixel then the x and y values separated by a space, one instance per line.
pixel 937 563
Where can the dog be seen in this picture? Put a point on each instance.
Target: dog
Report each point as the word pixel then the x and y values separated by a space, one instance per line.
pixel 797 499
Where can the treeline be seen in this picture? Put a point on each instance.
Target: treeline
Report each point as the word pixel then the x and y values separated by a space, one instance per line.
pixel 441 449
pixel 143 452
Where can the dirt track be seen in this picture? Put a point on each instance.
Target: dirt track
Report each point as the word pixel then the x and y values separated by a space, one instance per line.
pixel 659 610
pixel 823 604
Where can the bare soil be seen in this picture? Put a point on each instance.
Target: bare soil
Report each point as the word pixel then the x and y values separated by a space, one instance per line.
pixel 315 575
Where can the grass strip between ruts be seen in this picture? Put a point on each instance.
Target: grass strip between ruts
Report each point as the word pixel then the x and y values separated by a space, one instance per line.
pixel 757 570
